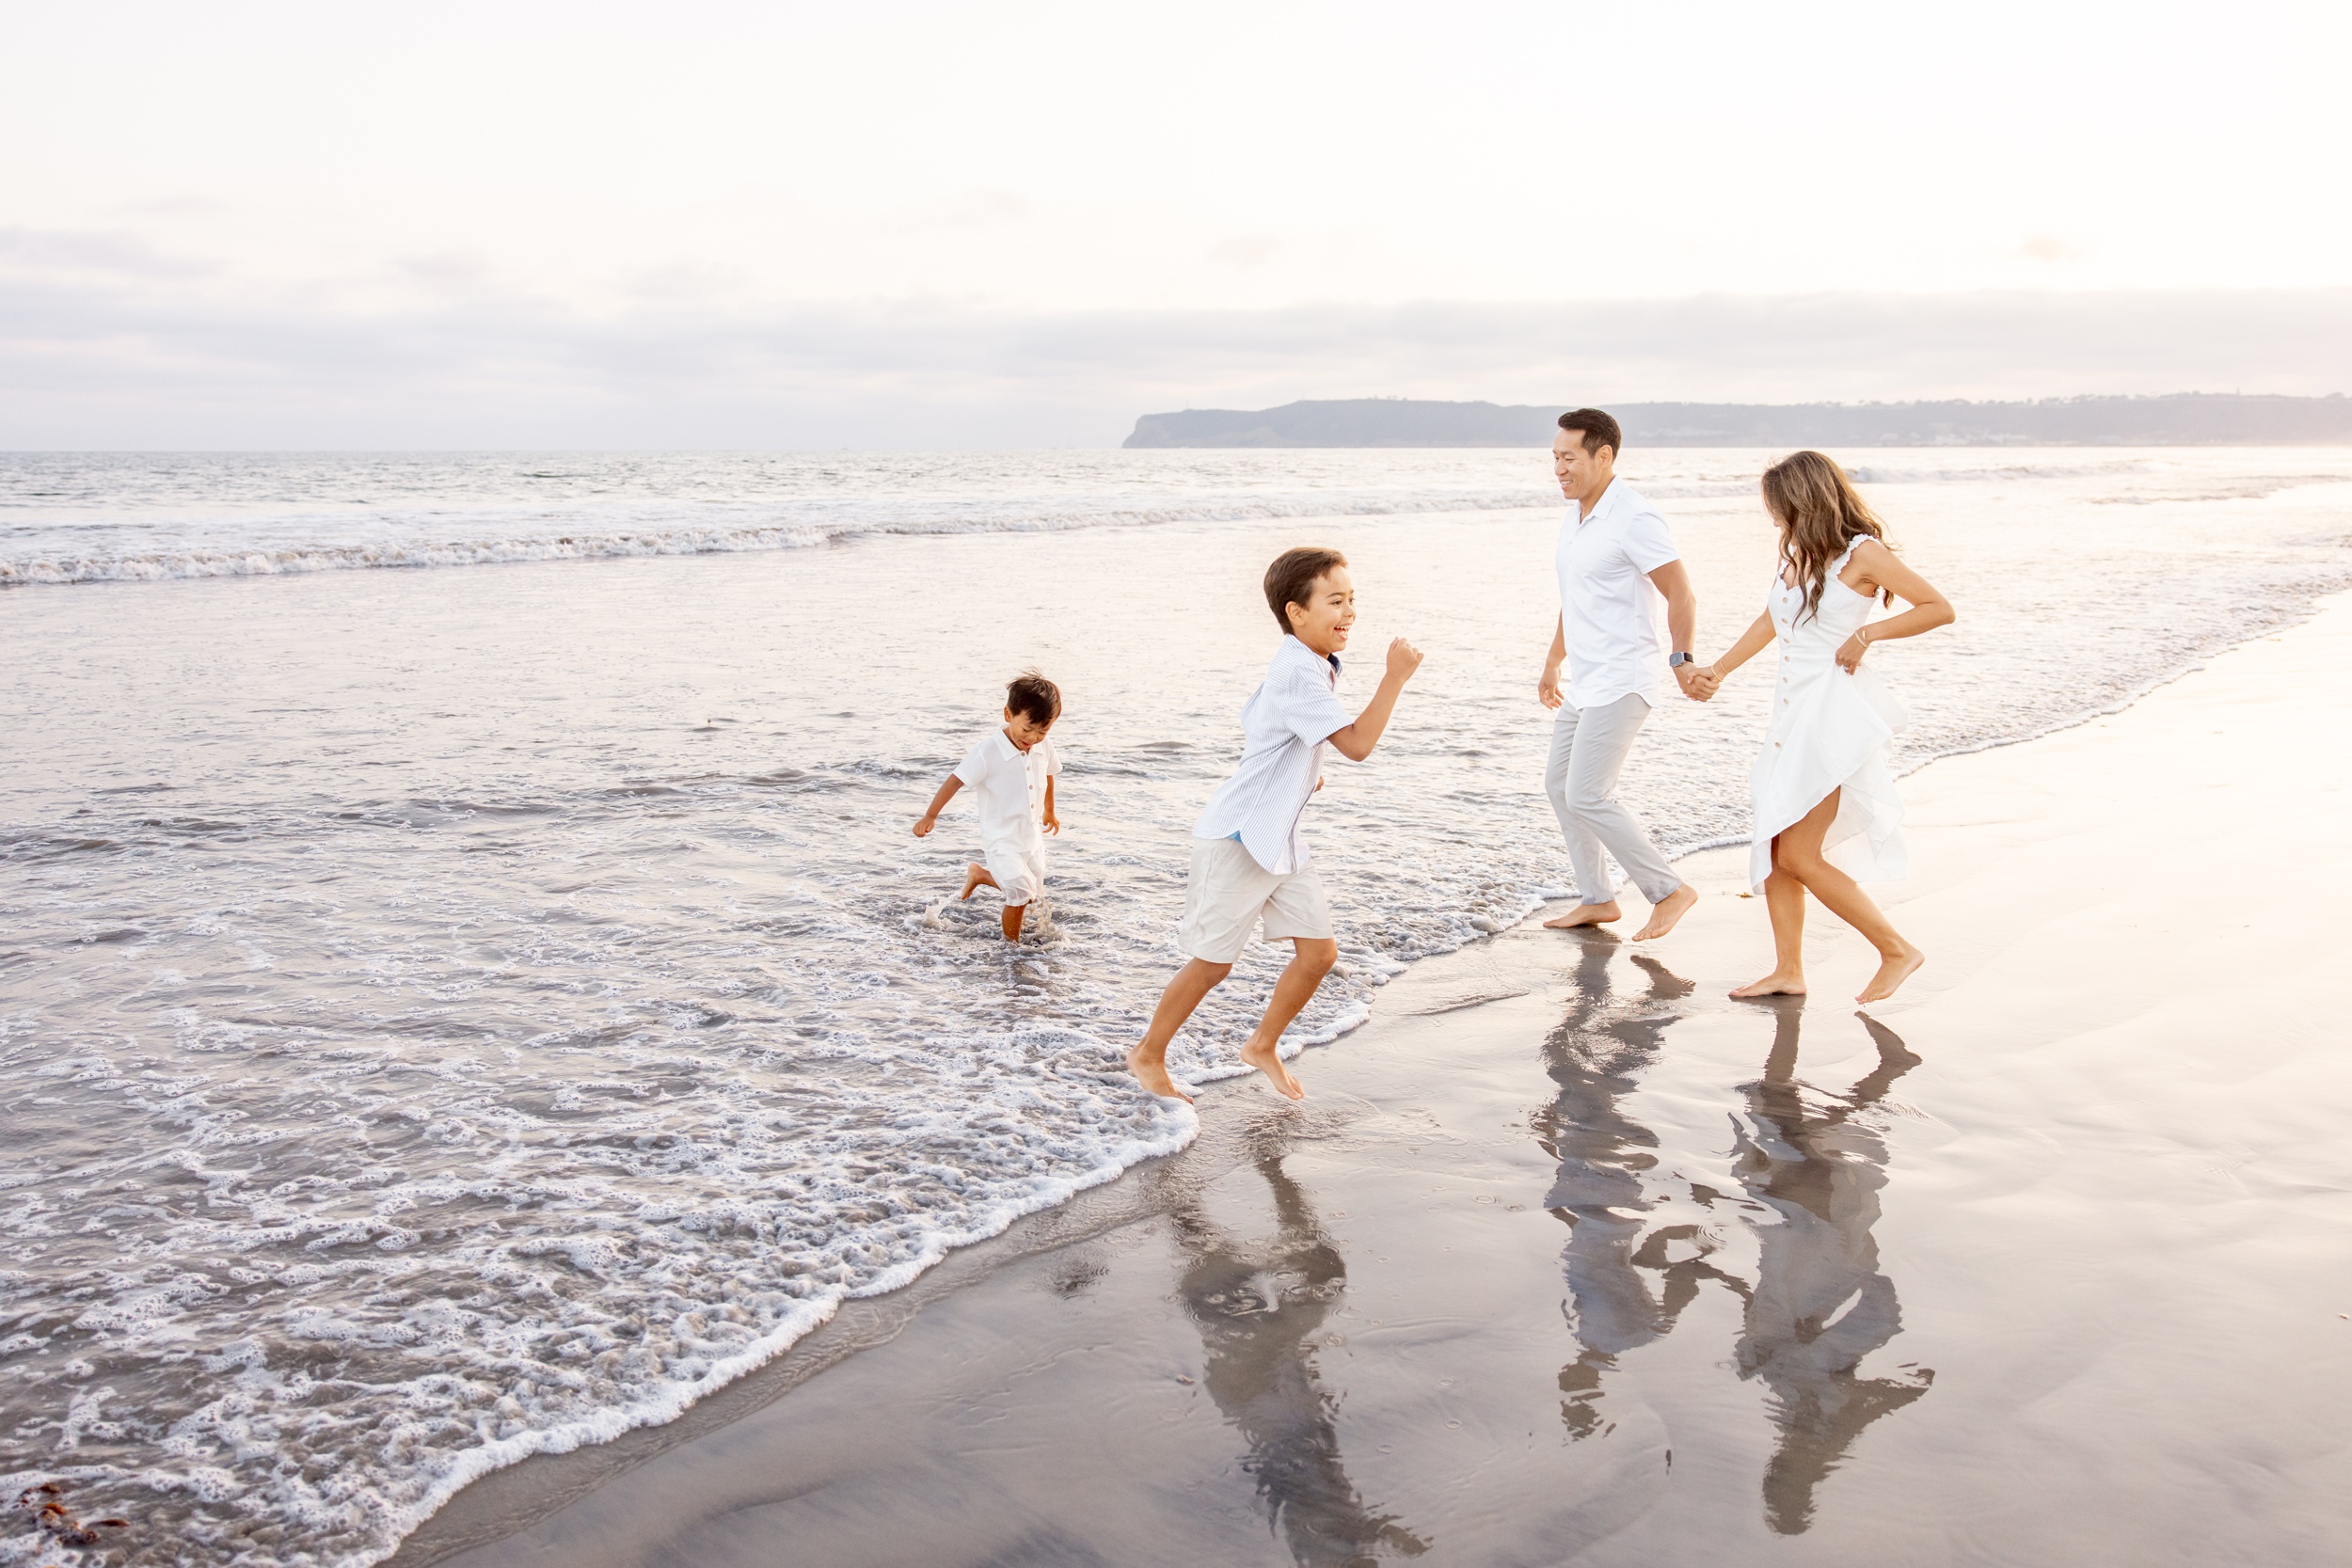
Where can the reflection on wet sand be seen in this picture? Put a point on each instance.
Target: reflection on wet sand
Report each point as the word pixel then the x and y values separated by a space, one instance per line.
pixel 1595 1057
pixel 1811 1168
pixel 1260 1307
pixel 1818 1168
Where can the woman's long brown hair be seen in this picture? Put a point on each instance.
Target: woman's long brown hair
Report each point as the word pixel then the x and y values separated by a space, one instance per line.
pixel 1819 512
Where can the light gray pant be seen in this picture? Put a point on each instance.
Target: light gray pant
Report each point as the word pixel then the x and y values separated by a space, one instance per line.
pixel 1588 751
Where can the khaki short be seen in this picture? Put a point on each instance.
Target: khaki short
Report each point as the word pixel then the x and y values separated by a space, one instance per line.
pixel 1227 893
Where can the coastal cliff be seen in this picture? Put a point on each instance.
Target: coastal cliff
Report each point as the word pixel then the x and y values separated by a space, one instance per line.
pixel 2189 419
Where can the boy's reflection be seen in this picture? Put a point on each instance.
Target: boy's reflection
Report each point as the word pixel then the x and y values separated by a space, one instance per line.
pixel 1819 1168
pixel 1814 1168
pixel 1258 1307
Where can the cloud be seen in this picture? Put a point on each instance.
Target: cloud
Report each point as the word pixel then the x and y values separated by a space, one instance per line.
pixel 90 253
pixel 2050 248
pixel 1246 250
pixel 114 348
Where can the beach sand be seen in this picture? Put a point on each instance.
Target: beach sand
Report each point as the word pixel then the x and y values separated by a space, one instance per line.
pixel 1569 1257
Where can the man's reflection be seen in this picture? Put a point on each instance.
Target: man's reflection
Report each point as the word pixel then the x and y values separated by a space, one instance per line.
pixel 1258 1307
pixel 1811 1168
pixel 1622 1291
pixel 1819 1304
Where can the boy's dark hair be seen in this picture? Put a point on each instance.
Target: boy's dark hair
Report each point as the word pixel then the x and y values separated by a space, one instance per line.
pixel 1292 576
pixel 1597 429
pixel 1034 697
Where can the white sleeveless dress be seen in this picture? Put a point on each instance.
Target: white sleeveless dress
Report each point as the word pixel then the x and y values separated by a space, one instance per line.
pixel 1829 732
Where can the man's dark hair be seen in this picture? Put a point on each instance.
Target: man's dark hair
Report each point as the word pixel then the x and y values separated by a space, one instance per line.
pixel 1034 697
pixel 1597 429
pixel 1293 576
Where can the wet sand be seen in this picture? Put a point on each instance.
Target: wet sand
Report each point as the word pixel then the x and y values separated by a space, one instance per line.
pixel 1570 1258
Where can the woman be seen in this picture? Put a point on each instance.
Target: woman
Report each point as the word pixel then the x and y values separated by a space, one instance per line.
pixel 1822 779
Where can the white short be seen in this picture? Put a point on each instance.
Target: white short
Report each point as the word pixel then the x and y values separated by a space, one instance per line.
pixel 1019 873
pixel 1229 891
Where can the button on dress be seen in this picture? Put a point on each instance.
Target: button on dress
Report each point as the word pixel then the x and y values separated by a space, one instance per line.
pixel 1829 732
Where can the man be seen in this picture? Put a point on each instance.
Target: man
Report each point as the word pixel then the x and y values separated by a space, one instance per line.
pixel 1616 560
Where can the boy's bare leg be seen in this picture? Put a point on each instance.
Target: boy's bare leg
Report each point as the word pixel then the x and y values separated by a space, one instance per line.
pixel 1586 914
pixel 1012 921
pixel 1148 1061
pixel 1784 896
pixel 975 876
pixel 1311 960
pixel 1667 911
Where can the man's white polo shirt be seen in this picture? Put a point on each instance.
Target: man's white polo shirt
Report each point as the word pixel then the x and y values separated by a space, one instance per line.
pixel 1284 724
pixel 1609 607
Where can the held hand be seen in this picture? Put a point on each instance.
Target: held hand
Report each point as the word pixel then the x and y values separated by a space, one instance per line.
pixel 1849 653
pixel 923 829
pixel 1404 658
pixel 1547 688
pixel 1694 685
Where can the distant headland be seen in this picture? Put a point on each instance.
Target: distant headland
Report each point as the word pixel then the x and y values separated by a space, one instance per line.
pixel 2187 419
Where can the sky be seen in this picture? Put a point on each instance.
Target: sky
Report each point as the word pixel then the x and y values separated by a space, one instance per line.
pixel 778 224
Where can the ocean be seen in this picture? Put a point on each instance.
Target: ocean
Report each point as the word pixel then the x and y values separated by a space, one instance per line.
pixel 467 986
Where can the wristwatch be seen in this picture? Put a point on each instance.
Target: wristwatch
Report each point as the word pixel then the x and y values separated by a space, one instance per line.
pixel 1675 661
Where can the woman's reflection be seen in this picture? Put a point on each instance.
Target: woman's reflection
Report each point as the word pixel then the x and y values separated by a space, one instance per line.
pixel 1258 1307
pixel 1811 1165
pixel 1819 1304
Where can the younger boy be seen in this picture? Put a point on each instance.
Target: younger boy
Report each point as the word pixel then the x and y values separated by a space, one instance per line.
pixel 1248 861
pixel 1013 773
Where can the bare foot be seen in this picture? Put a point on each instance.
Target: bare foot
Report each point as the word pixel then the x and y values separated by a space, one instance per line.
pixel 1667 911
pixel 1892 974
pixel 1585 914
pixel 1774 984
pixel 1153 1074
pixel 1265 1061
pixel 975 876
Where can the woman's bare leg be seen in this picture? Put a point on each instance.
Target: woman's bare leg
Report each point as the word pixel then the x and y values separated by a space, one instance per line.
pixel 1784 896
pixel 1311 960
pixel 1798 852
pixel 1148 1061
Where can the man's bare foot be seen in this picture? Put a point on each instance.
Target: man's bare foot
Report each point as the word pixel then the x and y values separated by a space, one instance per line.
pixel 1152 1072
pixel 1263 1057
pixel 1774 984
pixel 975 876
pixel 1891 974
pixel 1667 911
pixel 1585 914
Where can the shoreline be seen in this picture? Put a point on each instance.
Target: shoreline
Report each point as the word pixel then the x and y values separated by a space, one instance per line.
pixel 1487 986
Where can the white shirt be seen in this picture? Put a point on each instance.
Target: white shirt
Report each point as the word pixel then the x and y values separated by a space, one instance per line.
pixel 1608 605
pixel 1010 788
pixel 1284 724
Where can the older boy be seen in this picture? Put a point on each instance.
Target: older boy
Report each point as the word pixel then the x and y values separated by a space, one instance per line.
pixel 1249 859
pixel 1012 771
